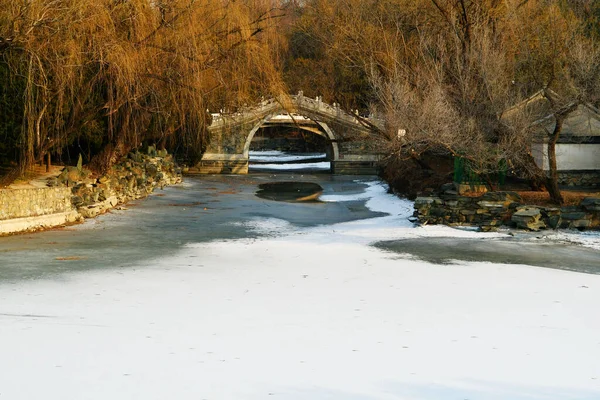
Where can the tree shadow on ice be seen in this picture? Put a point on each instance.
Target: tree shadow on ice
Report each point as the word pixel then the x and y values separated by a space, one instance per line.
pixel 502 251
pixel 471 390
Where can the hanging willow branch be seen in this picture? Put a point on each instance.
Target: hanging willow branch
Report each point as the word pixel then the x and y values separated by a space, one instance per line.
pixel 119 73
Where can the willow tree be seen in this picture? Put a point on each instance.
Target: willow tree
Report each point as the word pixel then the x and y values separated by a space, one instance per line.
pixel 118 73
pixel 329 44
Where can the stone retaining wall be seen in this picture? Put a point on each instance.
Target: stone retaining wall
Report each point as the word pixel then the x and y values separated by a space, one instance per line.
pixel 76 194
pixel 20 203
pixel 589 179
pixel 29 224
pixel 496 209
pixel 134 177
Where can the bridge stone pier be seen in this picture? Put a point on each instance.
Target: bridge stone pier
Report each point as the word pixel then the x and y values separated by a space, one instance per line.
pixel 352 143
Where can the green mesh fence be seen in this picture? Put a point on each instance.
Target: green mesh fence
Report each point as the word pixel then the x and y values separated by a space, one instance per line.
pixel 464 173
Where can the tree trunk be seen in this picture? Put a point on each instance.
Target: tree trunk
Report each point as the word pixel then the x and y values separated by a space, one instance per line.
pixel 108 156
pixel 552 178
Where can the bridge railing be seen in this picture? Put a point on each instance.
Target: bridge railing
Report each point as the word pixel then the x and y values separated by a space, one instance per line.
pixel 300 101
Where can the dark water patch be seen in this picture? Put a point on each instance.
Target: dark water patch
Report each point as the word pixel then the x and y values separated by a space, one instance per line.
pixel 503 251
pixel 289 191
pixel 194 204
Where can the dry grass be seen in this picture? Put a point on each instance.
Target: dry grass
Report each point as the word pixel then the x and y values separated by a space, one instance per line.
pixel 35 176
pixel 70 258
pixel 572 198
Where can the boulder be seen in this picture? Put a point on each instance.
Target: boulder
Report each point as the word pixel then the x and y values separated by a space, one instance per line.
pixel 509 197
pixel 470 189
pixel 162 153
pixel 573 216
pixel 554 221
pixel 590 204
pixel 447 186
pixel 581 223
pixel 52 182
pixel 76 200
pixel 492 204
pixel 420 201
pixel 529 218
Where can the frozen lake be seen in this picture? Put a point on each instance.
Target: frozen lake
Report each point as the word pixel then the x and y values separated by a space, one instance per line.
pixel 205 291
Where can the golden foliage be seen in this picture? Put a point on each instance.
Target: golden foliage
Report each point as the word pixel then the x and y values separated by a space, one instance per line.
pixel 130 70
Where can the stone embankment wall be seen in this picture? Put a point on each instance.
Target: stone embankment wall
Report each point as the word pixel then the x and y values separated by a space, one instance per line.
pixel 133 178
pixel 589 179
pixel 76 194
pixel 495 209
pixel 19 203
pixel 32 209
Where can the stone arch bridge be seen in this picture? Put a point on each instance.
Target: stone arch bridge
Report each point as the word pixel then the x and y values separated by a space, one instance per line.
pixel 352 148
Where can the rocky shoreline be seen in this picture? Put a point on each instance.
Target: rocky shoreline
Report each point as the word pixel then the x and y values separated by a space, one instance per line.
pixel 495 209
pixel 133 178
pixel 77 194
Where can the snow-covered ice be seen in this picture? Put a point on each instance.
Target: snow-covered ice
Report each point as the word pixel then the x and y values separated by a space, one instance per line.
pixel 589 239
pixel 305 313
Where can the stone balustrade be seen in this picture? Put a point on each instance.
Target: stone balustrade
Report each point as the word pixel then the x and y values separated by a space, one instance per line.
pixel 300 102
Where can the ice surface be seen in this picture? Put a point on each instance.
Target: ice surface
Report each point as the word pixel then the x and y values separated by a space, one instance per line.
pixel 324 166
pixel 301 313
pixel 274 156
pixel 282 161
pixel 587 239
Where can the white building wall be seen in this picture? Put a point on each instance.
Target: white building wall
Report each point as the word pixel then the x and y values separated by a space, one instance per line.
pixel 577 157
pixel 540 155
pixel 569 157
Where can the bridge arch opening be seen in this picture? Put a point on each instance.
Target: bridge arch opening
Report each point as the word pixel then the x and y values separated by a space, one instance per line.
pixel 288 142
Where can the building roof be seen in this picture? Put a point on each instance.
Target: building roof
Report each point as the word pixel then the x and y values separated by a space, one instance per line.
pixel 583 121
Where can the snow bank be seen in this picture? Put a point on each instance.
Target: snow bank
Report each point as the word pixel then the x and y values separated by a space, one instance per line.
pixel 393 226
pixel 294 319
pixel 300 314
